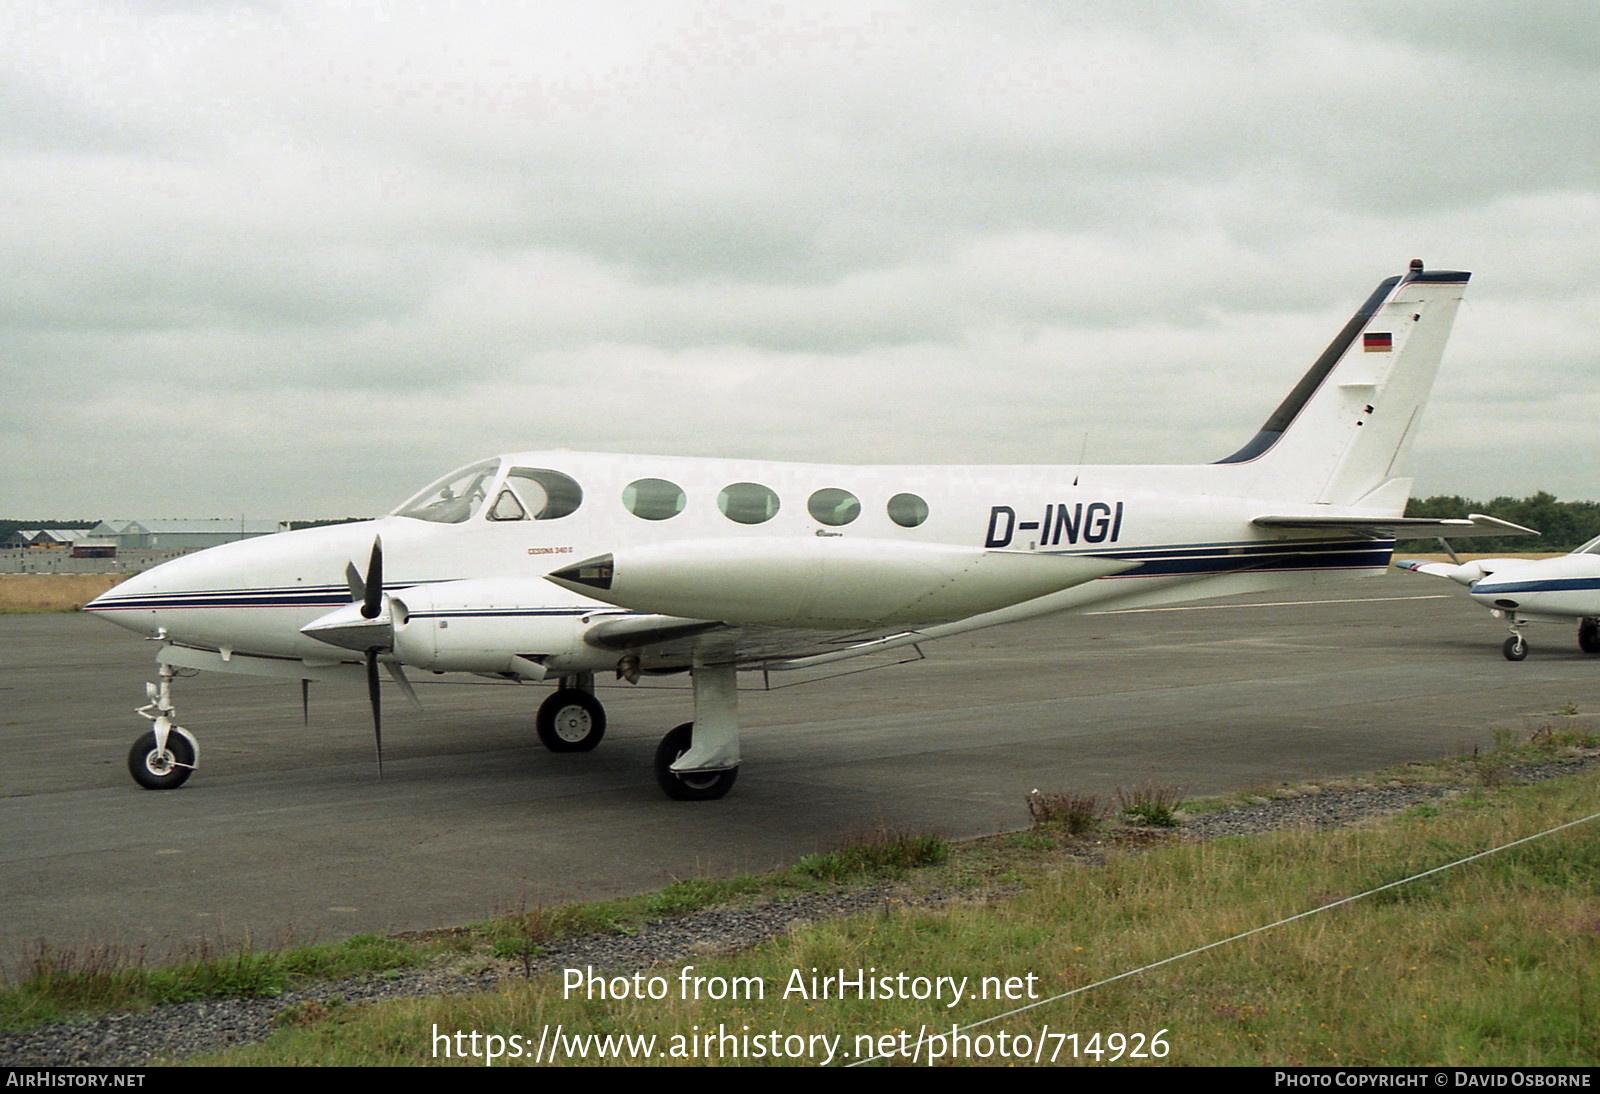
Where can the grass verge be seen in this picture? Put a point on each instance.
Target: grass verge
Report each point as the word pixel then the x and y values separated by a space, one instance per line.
pixel 54 983
pixel 1493 963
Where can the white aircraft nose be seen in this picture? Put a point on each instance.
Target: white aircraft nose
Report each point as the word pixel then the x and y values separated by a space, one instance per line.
pixel 136 602
pixel 252 595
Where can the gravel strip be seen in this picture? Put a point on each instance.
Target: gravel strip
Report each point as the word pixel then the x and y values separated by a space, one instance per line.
pixel 177 1031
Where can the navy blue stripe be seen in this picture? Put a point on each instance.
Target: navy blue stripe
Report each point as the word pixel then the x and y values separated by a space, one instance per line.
pixel 1348 546
pixel 295 596
pixel 496 613
pixel 214 600
pixel 1550 585
pixel 1173 567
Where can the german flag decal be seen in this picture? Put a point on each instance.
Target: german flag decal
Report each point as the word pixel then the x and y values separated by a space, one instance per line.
pixel 1377 343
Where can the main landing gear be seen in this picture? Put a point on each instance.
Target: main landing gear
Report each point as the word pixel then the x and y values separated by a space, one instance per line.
pixel 165 757
pixel 697 761
pixel 571 719
pixel 1516 647
pixel 688 787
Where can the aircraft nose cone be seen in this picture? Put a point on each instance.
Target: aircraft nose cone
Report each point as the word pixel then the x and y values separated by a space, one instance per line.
pixel 131 603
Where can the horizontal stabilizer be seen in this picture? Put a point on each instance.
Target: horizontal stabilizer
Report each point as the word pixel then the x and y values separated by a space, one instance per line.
pixel 1403 527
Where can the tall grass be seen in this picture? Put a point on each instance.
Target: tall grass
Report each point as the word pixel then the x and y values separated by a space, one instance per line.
pixel 55 982
pixel 1493 963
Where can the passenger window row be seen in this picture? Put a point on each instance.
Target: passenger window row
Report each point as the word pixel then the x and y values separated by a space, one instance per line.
pixel 542 494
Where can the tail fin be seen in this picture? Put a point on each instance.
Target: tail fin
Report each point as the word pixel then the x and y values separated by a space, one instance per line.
pixel 1342 435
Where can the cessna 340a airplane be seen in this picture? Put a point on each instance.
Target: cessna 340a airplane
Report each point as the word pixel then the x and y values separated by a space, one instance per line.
pixel 1523 591
pixel 555 566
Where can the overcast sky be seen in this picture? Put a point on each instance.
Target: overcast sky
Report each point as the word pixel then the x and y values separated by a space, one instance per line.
pixel 293 259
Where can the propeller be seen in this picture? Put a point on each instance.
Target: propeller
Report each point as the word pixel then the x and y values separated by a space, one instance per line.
pixel 369 591
pixel 366 625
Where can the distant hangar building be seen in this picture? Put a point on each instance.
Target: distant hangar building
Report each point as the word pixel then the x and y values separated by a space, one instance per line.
pixel 180 534
pixel 45 537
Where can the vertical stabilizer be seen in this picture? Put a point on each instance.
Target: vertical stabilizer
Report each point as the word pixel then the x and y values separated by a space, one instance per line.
pixel 1344 431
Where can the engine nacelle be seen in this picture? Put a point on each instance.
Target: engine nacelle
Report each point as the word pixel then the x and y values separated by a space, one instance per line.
pixel 492 626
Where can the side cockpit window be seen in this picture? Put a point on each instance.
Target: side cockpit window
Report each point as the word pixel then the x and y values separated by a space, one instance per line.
pixel 453 498
pixel 536 493
pixel 507 507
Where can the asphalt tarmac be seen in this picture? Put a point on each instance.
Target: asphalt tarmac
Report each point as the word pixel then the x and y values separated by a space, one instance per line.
pixel 285 834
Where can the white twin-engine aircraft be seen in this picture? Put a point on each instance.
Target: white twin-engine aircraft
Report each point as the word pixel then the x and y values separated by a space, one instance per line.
pixel 556 566
pixel 1563 589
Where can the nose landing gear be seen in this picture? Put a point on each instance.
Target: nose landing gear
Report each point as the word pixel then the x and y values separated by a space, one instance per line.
pixel 165 757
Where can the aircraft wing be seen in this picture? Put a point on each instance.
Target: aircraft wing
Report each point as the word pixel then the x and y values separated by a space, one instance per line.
pixel 661 644
pixel 1465 573
pixel 1403 527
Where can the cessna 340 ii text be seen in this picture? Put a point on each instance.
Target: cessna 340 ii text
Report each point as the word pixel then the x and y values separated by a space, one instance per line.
pixel 555 566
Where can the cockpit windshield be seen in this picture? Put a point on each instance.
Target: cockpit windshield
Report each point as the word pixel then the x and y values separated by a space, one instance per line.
pixel 1590 548
pixel 453 498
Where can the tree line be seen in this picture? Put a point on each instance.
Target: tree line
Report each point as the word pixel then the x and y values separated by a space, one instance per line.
pixel 1563 525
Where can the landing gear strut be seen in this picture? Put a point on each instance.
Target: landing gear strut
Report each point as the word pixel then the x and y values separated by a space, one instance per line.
pixel 571 719
pixel 165 757
pixel 1516 647
pixel 699 760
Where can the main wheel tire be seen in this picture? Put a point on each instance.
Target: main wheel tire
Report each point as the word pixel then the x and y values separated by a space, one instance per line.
pixel 1516 648
pixel 1589 636
pixel 570 720
pixel 705 787
pixel 162 769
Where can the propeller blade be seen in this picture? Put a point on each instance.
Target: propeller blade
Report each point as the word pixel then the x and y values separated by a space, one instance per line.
pixel 404 683
pixel 372 603
pixel 352 578
pixel 305 702
pixel 377 706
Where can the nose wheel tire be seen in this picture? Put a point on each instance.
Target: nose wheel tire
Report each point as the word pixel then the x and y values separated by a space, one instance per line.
pixel 164 768
pixel 1589 636
pixel 1516 648
pixel 702 786
pixel 570 720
